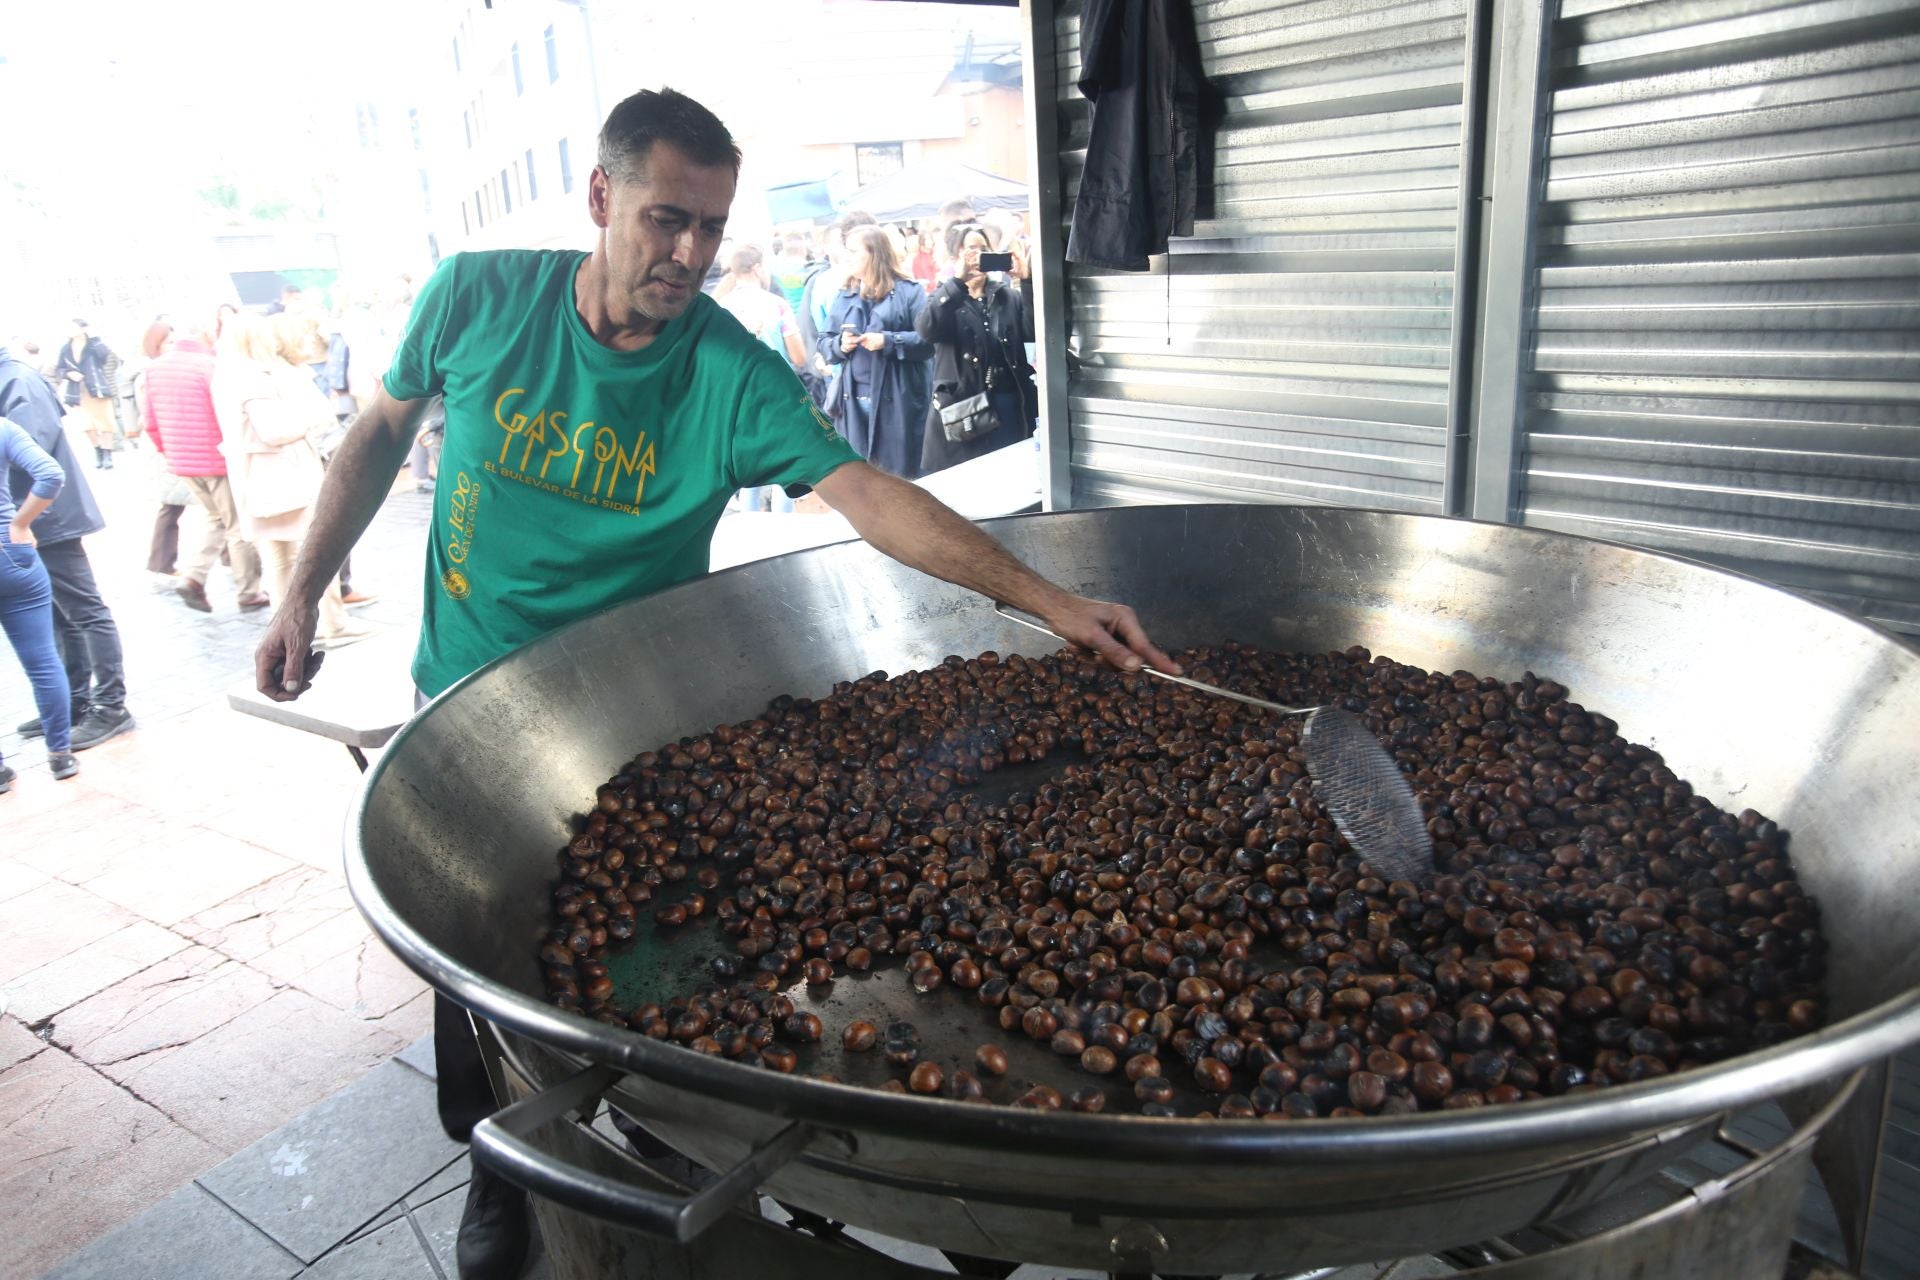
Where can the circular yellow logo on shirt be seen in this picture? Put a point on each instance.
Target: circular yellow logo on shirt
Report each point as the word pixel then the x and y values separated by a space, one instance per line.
pixel 454 583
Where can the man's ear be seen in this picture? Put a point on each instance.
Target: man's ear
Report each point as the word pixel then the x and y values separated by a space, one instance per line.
pixel 599 196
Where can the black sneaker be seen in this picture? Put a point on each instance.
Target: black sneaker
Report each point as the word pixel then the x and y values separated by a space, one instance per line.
pixel 34 729
pixel 7 775
pixel 62 764
pixel 100 724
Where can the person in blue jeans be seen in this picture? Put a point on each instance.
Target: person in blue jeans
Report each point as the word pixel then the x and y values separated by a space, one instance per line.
pixel 26 596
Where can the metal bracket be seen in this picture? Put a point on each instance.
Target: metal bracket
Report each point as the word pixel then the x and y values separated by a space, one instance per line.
pixel 500 1143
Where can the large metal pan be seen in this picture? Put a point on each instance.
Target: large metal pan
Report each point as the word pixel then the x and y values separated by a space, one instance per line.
pixel 1758 696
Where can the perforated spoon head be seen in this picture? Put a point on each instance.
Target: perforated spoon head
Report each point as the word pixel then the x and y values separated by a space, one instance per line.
pixel 1367 796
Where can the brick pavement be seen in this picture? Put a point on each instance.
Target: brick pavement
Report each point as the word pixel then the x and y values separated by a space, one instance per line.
pixel 181 969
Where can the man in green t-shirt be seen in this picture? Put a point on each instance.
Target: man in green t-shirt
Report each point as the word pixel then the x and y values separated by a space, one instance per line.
pixel 600 410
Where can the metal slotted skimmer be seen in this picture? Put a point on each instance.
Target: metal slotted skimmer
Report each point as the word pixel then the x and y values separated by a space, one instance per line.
pixel 1357 782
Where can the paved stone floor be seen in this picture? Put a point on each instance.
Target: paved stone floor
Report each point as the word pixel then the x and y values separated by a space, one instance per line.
pixel 187 989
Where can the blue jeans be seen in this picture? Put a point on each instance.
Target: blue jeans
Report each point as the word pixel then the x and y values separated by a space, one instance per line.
pixel 26 613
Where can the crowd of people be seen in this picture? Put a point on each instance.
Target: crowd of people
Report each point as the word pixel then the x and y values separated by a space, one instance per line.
pixel 914 347
pixel 908 338
pixel 237 414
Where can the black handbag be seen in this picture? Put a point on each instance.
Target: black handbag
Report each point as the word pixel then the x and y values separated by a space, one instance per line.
pixel 967 419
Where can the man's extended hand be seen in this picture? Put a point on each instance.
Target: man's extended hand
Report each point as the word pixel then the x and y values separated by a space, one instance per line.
pixel 1110 630
pixel 285 663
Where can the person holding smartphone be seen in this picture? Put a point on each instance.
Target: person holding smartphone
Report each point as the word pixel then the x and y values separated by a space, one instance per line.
pixel 979 324
pixel 879 402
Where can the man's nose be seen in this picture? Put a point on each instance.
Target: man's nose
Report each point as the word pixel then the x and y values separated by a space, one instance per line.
pixel 686 248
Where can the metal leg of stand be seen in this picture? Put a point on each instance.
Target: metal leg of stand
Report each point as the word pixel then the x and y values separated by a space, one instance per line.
pixel 359 757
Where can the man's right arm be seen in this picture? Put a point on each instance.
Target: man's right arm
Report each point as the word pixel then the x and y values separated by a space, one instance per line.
pixel 358 480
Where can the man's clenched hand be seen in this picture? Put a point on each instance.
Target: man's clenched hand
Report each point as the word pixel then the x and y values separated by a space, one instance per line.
pixel 285 663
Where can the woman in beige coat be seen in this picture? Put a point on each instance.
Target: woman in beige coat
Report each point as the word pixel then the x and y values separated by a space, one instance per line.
pixel 268 406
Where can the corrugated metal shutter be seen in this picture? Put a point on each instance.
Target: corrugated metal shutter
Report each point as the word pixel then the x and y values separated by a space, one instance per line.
pixel 1727 356
pixel 1296 348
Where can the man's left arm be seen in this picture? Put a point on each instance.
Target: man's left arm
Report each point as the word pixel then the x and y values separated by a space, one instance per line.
pixel 911 525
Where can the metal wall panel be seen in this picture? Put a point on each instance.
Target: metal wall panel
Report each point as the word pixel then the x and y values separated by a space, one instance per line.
pixel 1726 343
pixel 1296 348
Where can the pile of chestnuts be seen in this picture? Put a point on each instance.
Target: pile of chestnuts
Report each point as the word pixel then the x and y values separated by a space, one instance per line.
pixel 1168 908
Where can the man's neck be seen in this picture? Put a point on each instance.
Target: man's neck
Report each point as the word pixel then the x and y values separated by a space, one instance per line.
pixel 631 332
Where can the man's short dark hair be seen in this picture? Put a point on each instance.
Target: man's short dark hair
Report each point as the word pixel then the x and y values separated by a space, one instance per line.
pixel 854 218
pixel 663 116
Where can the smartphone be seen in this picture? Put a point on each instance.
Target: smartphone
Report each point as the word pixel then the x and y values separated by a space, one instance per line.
pixel 996 262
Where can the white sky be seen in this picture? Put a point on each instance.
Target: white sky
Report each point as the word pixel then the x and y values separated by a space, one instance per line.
pixel 128 98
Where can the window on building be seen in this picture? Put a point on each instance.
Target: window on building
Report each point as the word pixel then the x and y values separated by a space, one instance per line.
pixel 518 188
pixel 480 207
pixel 566 169
pixel 519 85
pixel 506 195
pixel 553 58
pixel 466 122
pixel 413 127
pixel 426 193
pixel 456 55
pixel 873 161
pixel 466 227
pixel 533 186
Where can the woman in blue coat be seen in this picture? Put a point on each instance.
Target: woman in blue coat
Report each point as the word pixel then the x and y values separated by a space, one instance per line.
pixel 881 365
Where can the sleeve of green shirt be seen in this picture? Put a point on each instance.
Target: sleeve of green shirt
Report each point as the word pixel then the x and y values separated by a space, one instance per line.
pixel 415 372
pixel 779 435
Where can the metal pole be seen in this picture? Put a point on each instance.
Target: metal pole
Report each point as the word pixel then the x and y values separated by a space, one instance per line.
pixel 1048 283
pixel 1466 260
pixel 1517 102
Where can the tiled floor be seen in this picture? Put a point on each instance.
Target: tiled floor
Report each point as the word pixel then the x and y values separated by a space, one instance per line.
pixel 182 972
pixel 363 1186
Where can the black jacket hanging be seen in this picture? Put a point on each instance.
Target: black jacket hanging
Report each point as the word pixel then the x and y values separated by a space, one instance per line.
pixel 1147 162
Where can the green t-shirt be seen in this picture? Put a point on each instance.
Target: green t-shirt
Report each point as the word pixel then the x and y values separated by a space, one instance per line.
pixel 572 476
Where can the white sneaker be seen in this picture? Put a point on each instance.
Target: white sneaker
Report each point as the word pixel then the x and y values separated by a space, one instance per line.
pixel 342 638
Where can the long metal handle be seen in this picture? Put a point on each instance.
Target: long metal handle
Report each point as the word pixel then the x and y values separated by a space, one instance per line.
pixel 1025 619
pixel 500 1143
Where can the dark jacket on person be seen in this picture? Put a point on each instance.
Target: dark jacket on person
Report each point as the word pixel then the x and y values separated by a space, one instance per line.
pixel 888 434
pixel 26 398
pixel 977 343
pixel 91 364
pixel 1147 155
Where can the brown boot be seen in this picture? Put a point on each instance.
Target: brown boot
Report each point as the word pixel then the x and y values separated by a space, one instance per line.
pixel 195 595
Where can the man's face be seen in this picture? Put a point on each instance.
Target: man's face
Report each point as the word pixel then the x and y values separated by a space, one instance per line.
pixel 662 231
